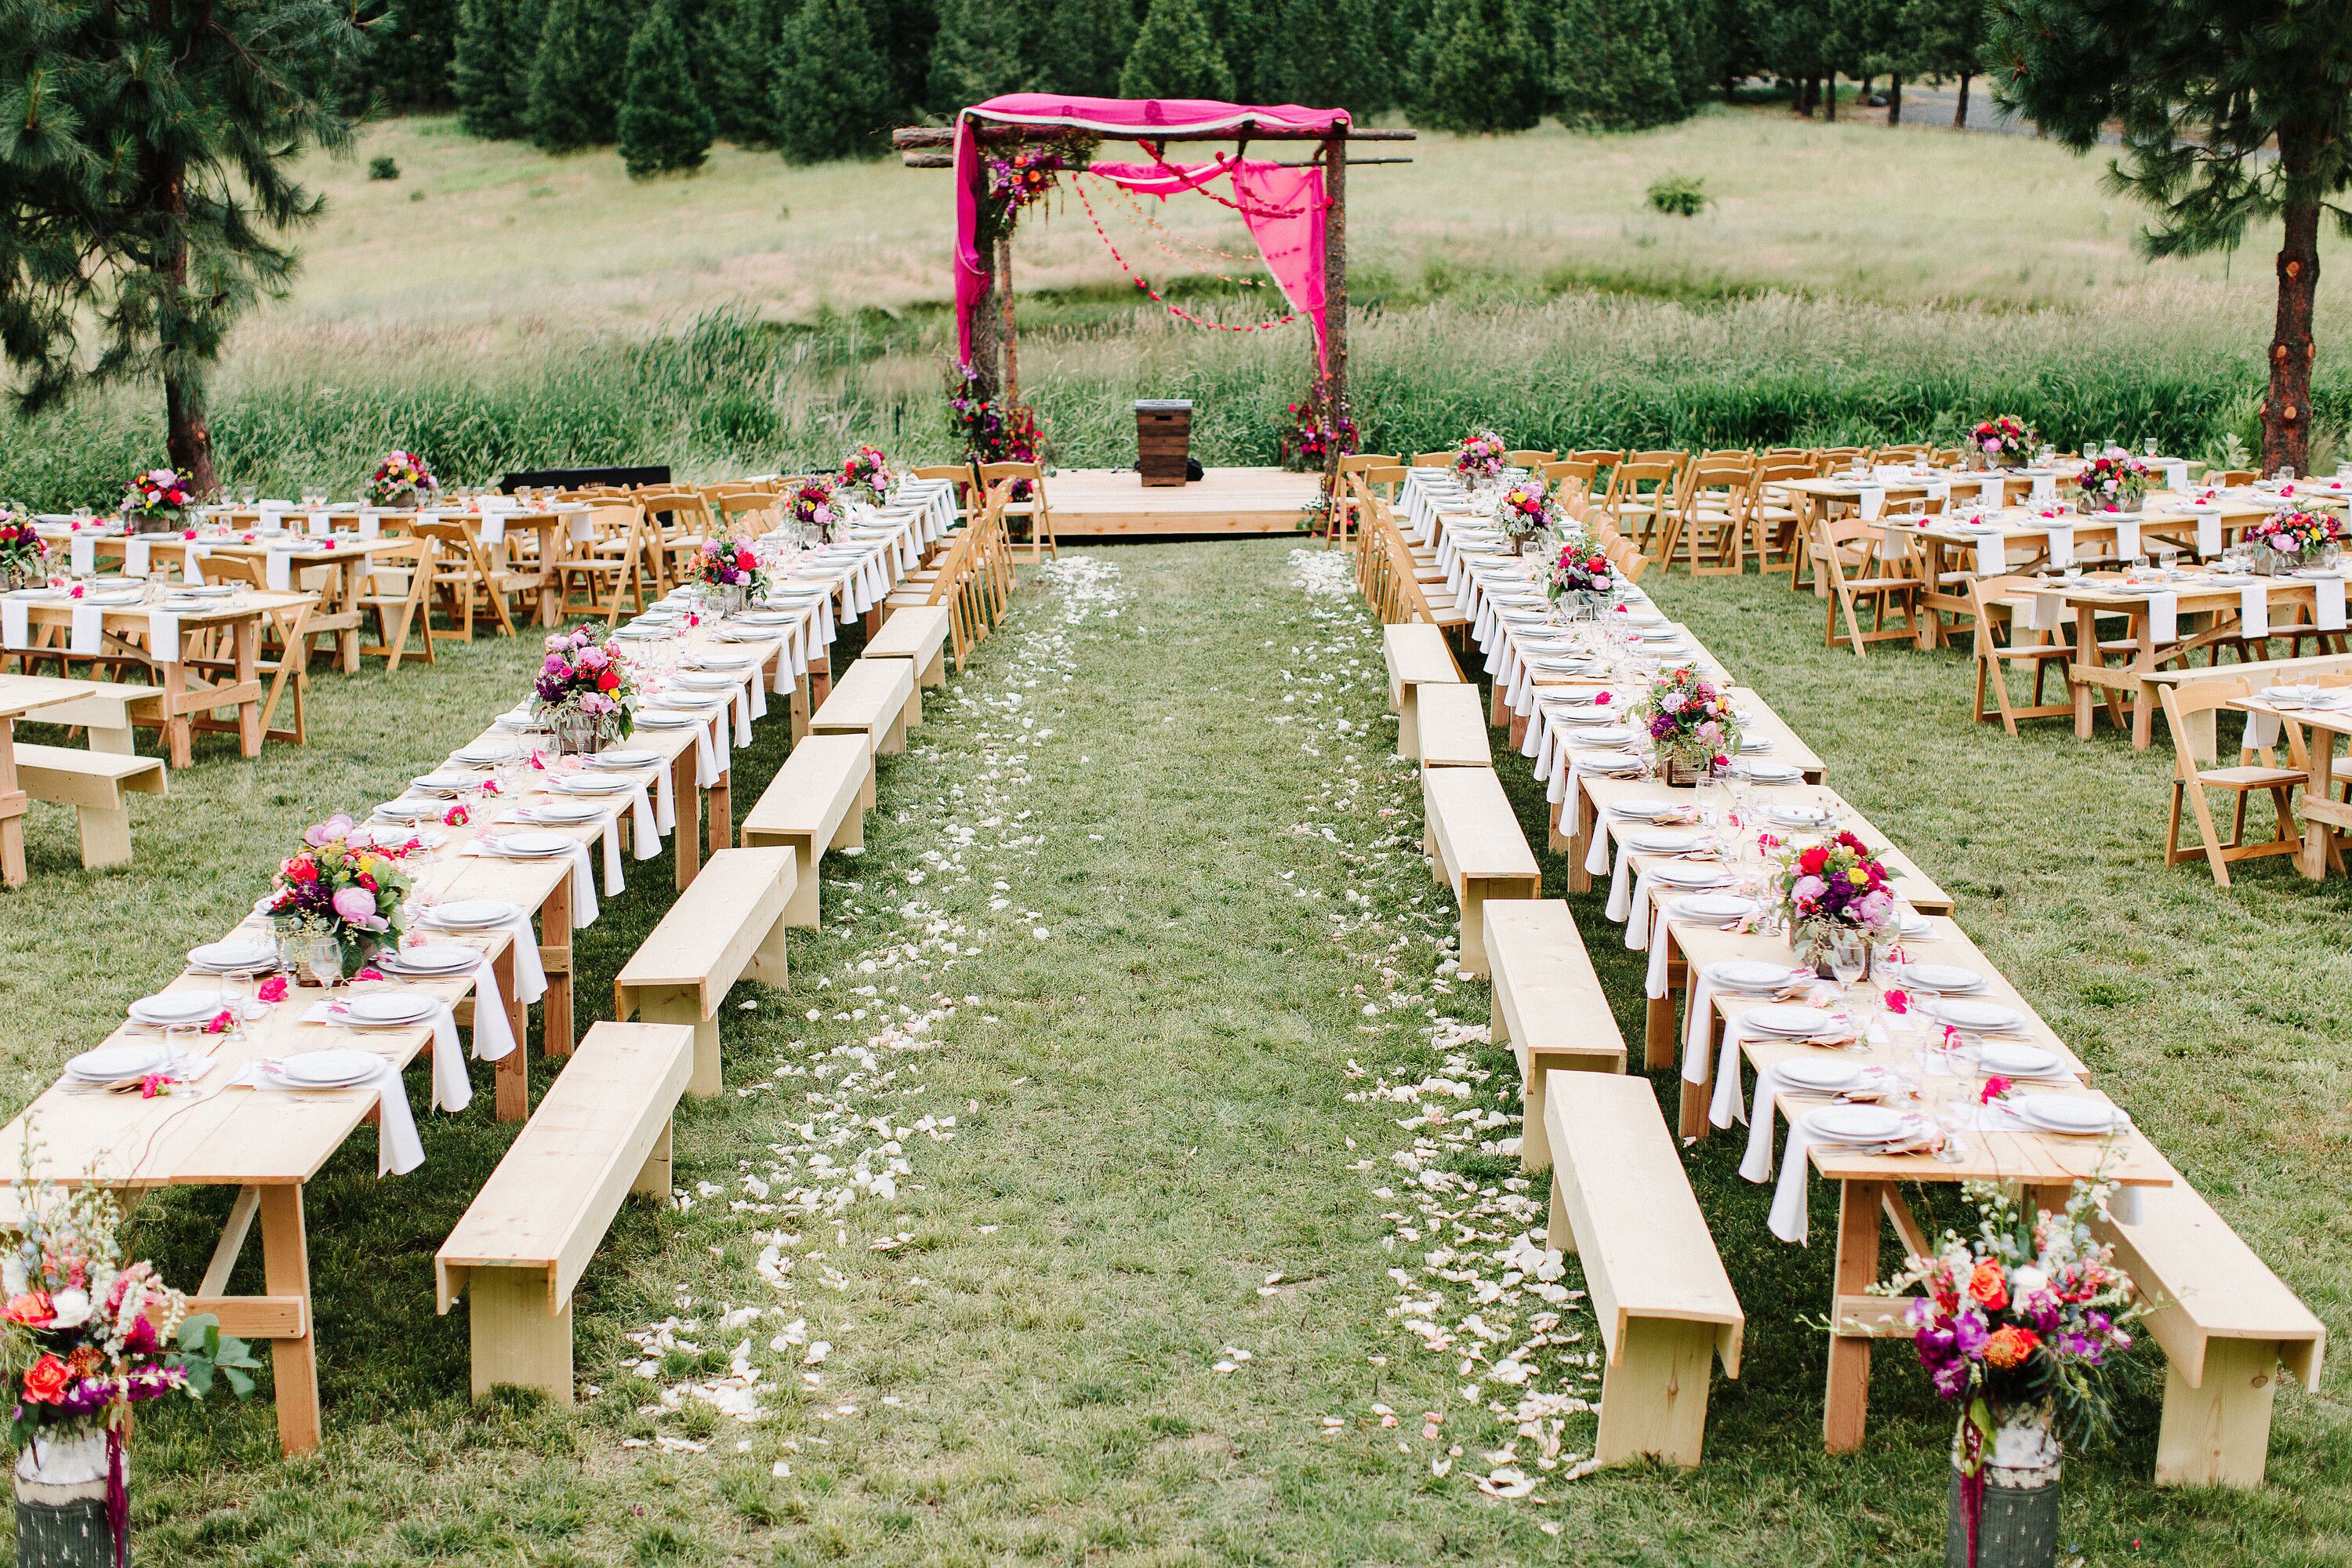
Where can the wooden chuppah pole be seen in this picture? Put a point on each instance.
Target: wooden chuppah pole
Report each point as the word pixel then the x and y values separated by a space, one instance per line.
pixel 1010 339
pixel 993 310
pixel 1335 300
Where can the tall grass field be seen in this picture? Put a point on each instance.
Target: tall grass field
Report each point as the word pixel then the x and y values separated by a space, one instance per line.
pixel 495 308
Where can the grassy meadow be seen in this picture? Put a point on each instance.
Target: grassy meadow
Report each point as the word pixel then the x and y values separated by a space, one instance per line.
pixel 498 307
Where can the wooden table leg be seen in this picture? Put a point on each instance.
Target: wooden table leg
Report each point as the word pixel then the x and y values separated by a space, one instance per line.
pixel 722 810
pixel 286 1269
pixel 2143 720
pixel 247 642
pixel 2320 785
pixel 512 1072
pixel 686 840
pixel 178 736
pixel 2086 654
pixel 555 957
pixel 1847 1406
pixel 347 641
pixel 13 805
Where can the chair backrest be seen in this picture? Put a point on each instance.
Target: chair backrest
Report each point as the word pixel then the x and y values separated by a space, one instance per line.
pixel 1529 457
pixel 1772 471
pixel 2232 477
pixel 1355 462
pixel 1433 459
pixel 684 510
pixel 2179 700
pixel 1903 454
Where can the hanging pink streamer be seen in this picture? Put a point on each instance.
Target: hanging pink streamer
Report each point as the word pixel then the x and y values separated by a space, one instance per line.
pixel 1284 208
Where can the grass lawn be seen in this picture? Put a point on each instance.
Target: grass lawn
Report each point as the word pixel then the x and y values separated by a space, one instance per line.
pixel 1143 912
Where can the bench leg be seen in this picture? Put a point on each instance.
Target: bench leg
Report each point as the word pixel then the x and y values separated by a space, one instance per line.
pixel 893 740
pixel 1474 928
pixel 935 672
pixel 1654 1395
pixel 801 909
pixel 105 835
pixel 516 1340
pixel 914 715
pixel 851 834
pixel 2219 1435
pixel 768 964
pixel 1408 724
pixel 654 1178
pixel 682 1005
pixel 1559 1235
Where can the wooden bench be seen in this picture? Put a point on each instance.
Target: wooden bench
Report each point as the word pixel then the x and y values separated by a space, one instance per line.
pixel 815 802
pixel 1549 1008
pixel 876 698
pixel 2226 1324
pixel 94 785
pixel 106 710
pixel 1475 847
pixel 602 1132
pixel 1620 1202
pixel 1453 729
pixel 728 925
pixel 919 633
pixel 1417 657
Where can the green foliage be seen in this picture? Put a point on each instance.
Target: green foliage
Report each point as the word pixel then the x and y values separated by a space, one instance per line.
pixel 738 58
pixel 576 74
pixel 1077 45
pixel 490 69
pixel 1330 58
pixel 409 51
pixel 1678 196
pixel 1615 66
pixel 1475 67
pixel 1946 37
pixel 977 54
pixel 1175 55
pixel 206 1353
pixel 383 168
pixel 829 101
pixel 663 125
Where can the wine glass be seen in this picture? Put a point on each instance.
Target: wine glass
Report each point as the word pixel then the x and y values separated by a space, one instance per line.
pixel 324 954
pixel 1848 957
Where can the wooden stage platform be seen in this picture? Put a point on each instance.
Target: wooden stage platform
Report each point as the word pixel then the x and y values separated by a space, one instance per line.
pixel 1111 501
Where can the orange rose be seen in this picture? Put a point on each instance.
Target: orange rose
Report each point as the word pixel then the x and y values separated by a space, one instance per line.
pixel 1989 1285
pixel 2009 1347
pixel 32 1309
pixel 46 1383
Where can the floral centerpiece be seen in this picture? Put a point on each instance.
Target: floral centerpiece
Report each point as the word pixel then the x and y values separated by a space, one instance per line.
pixel 1479 458
pixel 2290 539
pixel 2116 482
pixel 586 690
pixel 2003 441
pixel 868 470
pixel 811 507
pixel 84 1336
pixel 2020 1325
pixel 24 553
pixel 1831 888
pixel 1691 724
pixel 157 501
pixel 1523 511
pixel 1581 575
pixel 402 479
pixel 333 887
pixel 727 571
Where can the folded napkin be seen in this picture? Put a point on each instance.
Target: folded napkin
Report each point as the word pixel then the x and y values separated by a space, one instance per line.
pixel 371 524
pixel 2062 543
pixel 2209 532
pixel 2254 611
pixel 16 624
pixel 89 628
pixel 2329 612
pixel 164 637
pixel 584 878
pixel 1872 501
pixel 319 524
pixel 451 1092
pixel 1993 554
pixel 277 571
pixel 2175 470
pixel 82 551
pixel 136 549
pixel 398 1149
pixel 1992 491
pixel 2128 537
pixel 2164 617
pixel 493 1032
pixel 494 528
pixel 2045 487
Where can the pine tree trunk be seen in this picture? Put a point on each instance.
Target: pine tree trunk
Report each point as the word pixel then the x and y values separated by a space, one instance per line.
pixel 2286 412
pixel 1895 100
pixel 187 438
pixel 1960 115
pixel 1829 99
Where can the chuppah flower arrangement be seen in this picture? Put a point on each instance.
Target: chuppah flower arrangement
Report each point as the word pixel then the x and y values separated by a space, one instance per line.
pixel 868 469
pixel 586 690
pixel 402 479
pixel 84 1336
pixel 353 892
pixel 1314 429
pixel 2020 1324
pixel 24 553
pixel 2003 441
pixel 157 499
pixel 1691 726
pixel 2114 483
pixel 992 429
pixel 811 506
pixel 1027 174
pixel 1479 456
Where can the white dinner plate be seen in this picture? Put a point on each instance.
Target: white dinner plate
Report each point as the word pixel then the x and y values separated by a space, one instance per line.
pixel 592 783
pixel 232 956
pixel 1786 1018
pixel 1827 1075
pixel 626 757
pixel 1713 907
pixel 472 914
pixel 1589 718
pixel 412 810
pixel 1664 840
pixel 565 813
pixel 1602 735
pixel 1690 873
pixel 1794 815
pixel 176 1009
pixel 387 1010
pixel 1975 1017
pixel 431 958
pixel 330 1070
pixel 2011 1060
pixel 1644 808
pixel 1748 975
pixel 1764 772
pixel 766 618
pixel 1940 977
pixel 2076 1115
pixel 724 661
pixel 1857 1125
pixel 486 753
pixel 113 1064
pixel 705 680
pixel 447 782
pixel 537 845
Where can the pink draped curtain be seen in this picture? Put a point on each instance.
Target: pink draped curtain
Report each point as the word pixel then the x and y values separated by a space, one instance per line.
pixel 1283 207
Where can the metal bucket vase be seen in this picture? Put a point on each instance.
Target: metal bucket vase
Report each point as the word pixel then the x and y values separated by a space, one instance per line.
pixel 61 1515
pixel 2017 1517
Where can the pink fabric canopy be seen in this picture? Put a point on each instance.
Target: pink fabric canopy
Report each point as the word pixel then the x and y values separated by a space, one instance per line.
pixel 1284 209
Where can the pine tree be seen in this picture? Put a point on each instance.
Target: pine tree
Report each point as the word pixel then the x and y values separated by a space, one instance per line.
pixel 1331 57
pixel 738 52
pixel 823 110
pixel 1175 55
pixel 227 99
pixel 409 45
pixel 1947 38
pixel 2231 115
pixel 1476 69
pixel 904 32
pixel 663 125
pixel 576 77
pixel 976 55
pixel 1615 67
pixel 490 73
pixel 1078 45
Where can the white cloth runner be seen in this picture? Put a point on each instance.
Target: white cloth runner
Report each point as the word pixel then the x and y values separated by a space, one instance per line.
pixel 2175 470
pixel 90 627
pixel 2128 537
pixel 277 571
pixel 451 1092
pixel 2163 619
pixel 398 1149
pixel 2045 487
pixel 2209 532
pixel 136 549
pixel 82 551
pixel 319 524
pixel 371 524
pixel 1872 501
pixel 2329 614
pixel 2062 543
pixel 1993 491
pixel 16 624
pixel 2254 611
pixel 493 1031
pixel 164 637
pixel 1993 555
pixel 584 878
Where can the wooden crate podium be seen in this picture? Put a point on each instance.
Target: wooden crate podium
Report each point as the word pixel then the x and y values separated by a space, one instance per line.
pixel 1163 439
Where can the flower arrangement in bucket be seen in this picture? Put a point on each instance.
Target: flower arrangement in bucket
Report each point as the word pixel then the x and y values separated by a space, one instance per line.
pixel 1830 891
pixel 156 501
pixel 2021 1324
pixel 728 571
pixel 1692 728
pixel 586 691
pixel 1314 429
pixel 402 479
pixel 810 510
pixel 867 470
pixel 2288 540
pixel 85 1336
pixel 333 890
pixel 992 429
pixel 2004 441
pixel 2117 481
pixel 1579 574
pixel 1523 511
pixel 24 553
pixel 1479 458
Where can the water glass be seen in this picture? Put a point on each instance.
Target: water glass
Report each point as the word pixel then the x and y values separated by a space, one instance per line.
pixel 1848 957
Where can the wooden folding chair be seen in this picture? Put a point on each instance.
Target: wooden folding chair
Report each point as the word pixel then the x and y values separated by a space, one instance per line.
pixel 407 563
pixel 678 521
pixel 1343 518
pixel 2190 782
pixel 289 627
pixel 1642 494
pixel 1034 507
pixel 612 569
pixel 1995 603
pixel 1848 549
pixel 1433 459
pixel 1529 458
pixel 1711 521
pixel 463 577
